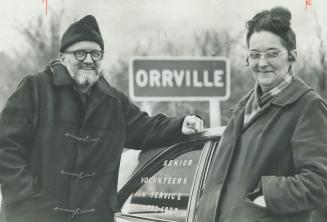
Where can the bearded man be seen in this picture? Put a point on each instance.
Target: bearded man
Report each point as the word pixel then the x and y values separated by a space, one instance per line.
pixel 62 133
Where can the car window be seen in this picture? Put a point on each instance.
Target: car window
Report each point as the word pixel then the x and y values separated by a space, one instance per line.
pixel 165 194
pixel 133 160
pixel 128 164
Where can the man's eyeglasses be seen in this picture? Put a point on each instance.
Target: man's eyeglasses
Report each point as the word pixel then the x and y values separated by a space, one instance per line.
pixel 80 55
pixel 269 54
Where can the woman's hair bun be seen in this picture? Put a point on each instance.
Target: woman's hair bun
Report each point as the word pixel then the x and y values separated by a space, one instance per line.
pixel 278 17
pixel 281 17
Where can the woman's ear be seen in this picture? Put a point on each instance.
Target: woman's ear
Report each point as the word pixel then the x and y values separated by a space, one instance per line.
pixel 292 55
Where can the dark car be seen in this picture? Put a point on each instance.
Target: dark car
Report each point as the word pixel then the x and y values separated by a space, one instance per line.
pixel 167 182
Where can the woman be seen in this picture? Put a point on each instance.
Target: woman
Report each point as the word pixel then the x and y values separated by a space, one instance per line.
pixel 272 160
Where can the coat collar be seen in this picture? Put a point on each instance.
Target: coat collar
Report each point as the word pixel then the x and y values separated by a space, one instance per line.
pixel 61 77
pixel 288 96
pixel 291 93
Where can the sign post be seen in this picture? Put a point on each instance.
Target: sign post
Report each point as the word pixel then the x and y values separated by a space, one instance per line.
pixel 181 79
pixel 215 114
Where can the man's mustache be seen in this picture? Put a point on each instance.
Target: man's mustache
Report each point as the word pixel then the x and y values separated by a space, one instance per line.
pixel 87 66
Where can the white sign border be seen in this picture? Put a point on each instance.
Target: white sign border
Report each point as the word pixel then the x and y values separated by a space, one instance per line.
pixel 178 58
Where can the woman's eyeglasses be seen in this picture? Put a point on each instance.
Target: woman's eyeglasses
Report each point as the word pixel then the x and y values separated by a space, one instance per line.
pixel 269 54
pixel 80 55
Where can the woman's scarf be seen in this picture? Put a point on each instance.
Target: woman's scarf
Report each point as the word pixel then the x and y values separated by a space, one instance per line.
pixel 258 99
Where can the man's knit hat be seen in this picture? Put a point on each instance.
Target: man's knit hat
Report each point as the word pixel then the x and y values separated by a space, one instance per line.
pixel 86 29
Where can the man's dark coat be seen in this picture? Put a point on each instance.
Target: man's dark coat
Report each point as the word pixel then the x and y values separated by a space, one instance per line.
pixel 59 156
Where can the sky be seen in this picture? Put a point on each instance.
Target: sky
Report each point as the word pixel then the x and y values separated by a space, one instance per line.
pixel 122 22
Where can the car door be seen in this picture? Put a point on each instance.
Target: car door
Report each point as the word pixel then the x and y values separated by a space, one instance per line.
pixel 167 182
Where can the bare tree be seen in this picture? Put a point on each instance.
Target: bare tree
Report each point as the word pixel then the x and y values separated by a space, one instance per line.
pixel 118 75
pixel 41 45
pixel 42 41
pixel 321 71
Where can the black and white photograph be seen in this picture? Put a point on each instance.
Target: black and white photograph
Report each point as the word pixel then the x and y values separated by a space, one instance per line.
pixel 163 111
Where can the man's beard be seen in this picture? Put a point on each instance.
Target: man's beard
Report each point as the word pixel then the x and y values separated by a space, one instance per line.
pixel 86 79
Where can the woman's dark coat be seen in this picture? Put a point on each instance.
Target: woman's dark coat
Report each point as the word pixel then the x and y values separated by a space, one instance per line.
pixel 282 154
pixel 59 157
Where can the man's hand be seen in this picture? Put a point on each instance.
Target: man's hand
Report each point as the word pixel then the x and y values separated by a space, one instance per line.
pixel 192 124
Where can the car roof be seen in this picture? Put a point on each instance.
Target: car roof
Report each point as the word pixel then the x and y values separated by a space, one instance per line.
pixel 213 132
